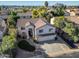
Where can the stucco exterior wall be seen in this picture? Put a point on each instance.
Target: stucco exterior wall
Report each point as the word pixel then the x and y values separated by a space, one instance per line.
pixel 46 31
pixel 26 30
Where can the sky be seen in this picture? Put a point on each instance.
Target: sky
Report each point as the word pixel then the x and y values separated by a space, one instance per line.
pixel 37 3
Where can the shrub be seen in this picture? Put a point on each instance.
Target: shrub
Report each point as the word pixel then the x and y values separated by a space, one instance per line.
pixel 26 46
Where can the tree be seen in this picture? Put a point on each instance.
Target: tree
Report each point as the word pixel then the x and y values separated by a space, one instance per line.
pixel 46 4
pixel 59 22
pixel 12 19
pixel 58 12
pixel 42 11
pixel 67 27
pixel 35 13
pixel 8 43
pixel 59 9
pixel 59 5
pixel 47 16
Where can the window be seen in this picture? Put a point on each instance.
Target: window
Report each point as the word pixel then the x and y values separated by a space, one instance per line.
pixel 24 16
pixel 30 16
pixel 50 29
pixel 41 30
pixel 22 28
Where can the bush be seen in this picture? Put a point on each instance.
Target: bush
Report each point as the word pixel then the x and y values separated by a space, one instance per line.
pixel 26 46
pixel 7 43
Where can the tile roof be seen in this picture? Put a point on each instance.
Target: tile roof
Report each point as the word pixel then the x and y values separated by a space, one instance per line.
pixel 38 22
pixel 74 19
pixel 29 23
pixel 73 10
pixel 22 22
pixel 24 14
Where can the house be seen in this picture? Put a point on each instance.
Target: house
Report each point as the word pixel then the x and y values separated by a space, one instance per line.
pixel 25 15
pixel 4 14
pixel 2 28
pixel 37 28
pixel 67 13
pixel 72 12
pixel 4 11
pixel 74 19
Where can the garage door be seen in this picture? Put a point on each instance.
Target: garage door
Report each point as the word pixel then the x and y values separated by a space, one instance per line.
pixel 44 38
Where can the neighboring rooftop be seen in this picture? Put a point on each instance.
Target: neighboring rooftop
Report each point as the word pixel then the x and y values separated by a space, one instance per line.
pixel 25 15
pixel 74 19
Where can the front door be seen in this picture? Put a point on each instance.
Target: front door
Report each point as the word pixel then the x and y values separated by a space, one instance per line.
pixel 30 32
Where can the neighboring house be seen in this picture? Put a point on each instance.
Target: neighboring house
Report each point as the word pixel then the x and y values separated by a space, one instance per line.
pixel 4 14
pixel 72 12
pixel 74 19
pixel 67 13
pixel 4 11
pixel 37 28
pixel 25 15
pixel 2 28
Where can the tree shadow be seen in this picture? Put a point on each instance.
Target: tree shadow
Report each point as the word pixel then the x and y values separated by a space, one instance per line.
pixel 29 51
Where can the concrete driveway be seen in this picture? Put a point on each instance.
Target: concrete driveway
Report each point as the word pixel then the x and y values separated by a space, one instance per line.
pixel 52 48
